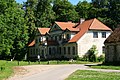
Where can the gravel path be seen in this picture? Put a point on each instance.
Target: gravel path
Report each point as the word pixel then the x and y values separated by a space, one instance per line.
pixel 50 72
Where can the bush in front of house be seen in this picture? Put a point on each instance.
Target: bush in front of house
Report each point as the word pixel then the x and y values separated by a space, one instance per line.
pixel 92 54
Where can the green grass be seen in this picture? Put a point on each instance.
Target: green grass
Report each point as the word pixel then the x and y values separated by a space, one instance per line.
pixel 6 67
pixel 106 67
pixel 93 75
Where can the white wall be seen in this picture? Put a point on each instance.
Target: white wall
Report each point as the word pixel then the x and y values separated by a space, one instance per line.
pixel 87 41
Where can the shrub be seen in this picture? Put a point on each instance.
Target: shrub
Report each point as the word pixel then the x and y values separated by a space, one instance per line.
pixel 101 58
pixel 92 54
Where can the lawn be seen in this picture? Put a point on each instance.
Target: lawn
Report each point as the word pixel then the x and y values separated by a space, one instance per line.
pixel 93 75
pixel 6 67
pixel 106 67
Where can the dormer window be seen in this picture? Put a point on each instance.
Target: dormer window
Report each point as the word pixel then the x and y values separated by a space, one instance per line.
pixel 95 34
pixel 68 36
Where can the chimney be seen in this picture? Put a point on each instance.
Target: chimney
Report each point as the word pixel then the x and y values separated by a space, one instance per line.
pixel 81 20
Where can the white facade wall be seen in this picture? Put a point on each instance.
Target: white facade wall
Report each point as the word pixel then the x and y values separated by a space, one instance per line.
pixel 72 35
pixel 87 41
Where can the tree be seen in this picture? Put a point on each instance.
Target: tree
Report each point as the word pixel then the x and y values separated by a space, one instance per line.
pixel 114 10
pixel 108 12
pixel 44 13
pixel 83 9
pixel 13 31
pixel 65 11
pixel 29 7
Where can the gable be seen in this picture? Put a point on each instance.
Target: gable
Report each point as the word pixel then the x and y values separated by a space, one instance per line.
pixel 55 27
pixel 43 31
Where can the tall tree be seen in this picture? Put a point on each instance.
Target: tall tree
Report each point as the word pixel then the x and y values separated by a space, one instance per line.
pixel 30 7
pixel 83 9
pixel 65 11
pixel 13 31
pixel 108 11
pixel 44 13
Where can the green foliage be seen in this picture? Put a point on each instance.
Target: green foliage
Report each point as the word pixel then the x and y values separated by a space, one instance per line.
pixel 108 12
pixel 64 11
pixel 13 31
pixel 83 9
pixel 44 13
pixel 101 58
pixel 92 54
pixel 29 16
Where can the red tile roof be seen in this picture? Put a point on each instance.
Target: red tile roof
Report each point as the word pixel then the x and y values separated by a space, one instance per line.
pixel 114 37
pixel 32 43
pixel 97 25
pixel 43 31
pixel 67 25
pixel 92 24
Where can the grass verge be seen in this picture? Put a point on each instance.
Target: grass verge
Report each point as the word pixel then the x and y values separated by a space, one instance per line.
pixel 93 75
pixel 106 67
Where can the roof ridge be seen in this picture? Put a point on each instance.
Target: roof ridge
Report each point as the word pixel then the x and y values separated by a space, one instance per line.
pixel 93 20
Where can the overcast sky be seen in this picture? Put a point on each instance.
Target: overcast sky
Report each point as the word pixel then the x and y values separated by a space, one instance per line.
pixel 72 1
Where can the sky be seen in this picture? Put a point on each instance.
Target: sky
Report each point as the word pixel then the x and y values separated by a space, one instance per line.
pixel 74 2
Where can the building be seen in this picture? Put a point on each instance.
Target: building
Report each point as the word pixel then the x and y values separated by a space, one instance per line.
pixel 112 47
pixel 68 40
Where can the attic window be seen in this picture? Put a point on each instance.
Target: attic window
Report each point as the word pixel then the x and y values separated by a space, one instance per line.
pixel 95 34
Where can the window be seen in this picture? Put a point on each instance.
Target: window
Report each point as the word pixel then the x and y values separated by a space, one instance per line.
pixel 36 51
pixel 53 50
pixel 39 39
pixel 60 37
pixel 95 34
pixel 55 38
pixel 103 34
pixel 36 40
pixel 68 36
pixel 42 53
pixel 50 51
pixel 103 49
pixel 60 50
pixel 73 50
pixel 46 38
pixel 68 50
pixel 64 50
